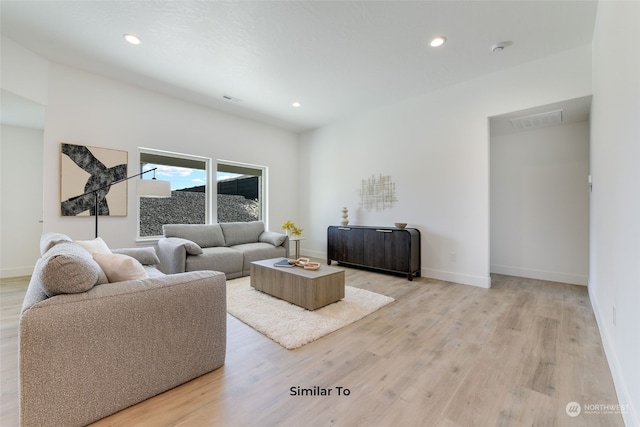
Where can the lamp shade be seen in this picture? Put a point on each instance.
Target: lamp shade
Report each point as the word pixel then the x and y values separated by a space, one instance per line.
pixel 153 188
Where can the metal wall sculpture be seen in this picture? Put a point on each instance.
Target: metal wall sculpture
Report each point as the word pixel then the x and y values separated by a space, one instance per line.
pixel 377 193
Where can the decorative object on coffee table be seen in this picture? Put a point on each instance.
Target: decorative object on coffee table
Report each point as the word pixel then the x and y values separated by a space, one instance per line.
pixel 305 263
pixel 283 263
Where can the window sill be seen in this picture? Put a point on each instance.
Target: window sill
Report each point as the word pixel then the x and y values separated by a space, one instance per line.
pixel 147 241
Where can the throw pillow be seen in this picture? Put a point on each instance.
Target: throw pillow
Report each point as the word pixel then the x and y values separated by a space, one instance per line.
pixel 67 268
pixel 120 267
pixel 146 256
pixel 276 239
pixel 95 246
pixel 49 240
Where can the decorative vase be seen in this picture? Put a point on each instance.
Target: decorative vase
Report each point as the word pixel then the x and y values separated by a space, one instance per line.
pixel 345 217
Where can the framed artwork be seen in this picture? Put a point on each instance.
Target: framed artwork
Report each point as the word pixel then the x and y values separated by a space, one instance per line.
pixel 83 169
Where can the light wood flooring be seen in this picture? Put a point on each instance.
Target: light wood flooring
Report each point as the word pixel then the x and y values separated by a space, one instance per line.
pixel 441 355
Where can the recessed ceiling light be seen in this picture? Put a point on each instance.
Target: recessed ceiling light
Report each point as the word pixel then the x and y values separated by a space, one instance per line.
pixel 438 41
pixel 132 38
pixel 296 104
pixel 499 47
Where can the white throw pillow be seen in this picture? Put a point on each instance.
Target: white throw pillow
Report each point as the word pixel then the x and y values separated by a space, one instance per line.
pixel 95 246
pixel 119 267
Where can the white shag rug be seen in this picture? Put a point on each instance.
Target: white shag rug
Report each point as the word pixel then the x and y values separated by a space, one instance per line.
pixel 292 326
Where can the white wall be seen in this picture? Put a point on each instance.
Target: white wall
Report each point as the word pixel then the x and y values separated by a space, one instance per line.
pixel 540 203
pixel 436 149
pixel 614 277
pixel 23 72
pixel 21 202
pixel 91 110
pixel 87 109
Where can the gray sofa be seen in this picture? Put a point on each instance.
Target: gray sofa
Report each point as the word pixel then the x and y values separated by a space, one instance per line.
pixel 90 348
pixel 229 247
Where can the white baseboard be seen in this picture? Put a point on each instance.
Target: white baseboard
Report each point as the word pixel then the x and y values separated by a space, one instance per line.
pixel 630 414
pixel 16 272
pixel 310 254
pixel 464 279
pixel 553 276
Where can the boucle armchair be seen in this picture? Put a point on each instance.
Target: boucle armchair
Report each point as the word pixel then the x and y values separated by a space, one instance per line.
pixel 88 353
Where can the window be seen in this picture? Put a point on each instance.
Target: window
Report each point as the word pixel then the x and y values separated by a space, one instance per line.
pixel 241 192
pixel 190 199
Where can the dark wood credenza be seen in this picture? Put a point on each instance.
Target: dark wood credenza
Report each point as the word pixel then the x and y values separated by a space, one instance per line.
pixel 385 249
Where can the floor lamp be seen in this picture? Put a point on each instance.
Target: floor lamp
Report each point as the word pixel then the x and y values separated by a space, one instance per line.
pixel 145 188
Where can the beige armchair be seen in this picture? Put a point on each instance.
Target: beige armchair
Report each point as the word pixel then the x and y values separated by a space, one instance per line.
pixel 88 354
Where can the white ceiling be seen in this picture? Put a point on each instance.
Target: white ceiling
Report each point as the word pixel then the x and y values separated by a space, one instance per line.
pixel 337 58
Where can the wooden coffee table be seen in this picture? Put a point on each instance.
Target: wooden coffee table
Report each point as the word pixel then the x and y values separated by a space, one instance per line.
pixel 306 288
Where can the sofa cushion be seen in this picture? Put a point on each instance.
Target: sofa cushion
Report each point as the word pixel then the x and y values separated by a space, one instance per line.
pixel 94 246
pixel 120 267
pixel 237 233
pixel 258 251
pixel 204 235
pixel 67 268
pixel 276 239
pixel 146 256
pixel 222 259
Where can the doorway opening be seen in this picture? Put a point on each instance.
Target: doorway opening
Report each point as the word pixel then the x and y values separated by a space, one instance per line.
pixel 539 192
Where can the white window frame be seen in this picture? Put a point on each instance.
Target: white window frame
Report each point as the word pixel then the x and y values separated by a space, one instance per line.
pixel 209 189
pixel 262 190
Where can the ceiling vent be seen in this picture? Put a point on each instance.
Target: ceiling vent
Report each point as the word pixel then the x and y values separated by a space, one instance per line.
pixel 231 98
pixel 537 120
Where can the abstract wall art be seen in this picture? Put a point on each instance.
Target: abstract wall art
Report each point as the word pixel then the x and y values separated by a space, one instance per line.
pixel 84 168
pixel 377 193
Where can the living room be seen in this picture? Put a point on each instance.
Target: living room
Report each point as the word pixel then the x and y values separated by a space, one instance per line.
pixel 435 146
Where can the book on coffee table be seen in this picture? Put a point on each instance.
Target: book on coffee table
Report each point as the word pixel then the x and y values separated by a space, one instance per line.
pixel 284 263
